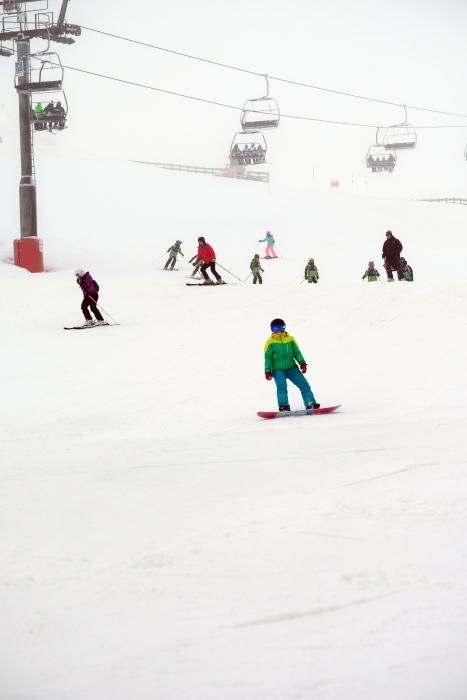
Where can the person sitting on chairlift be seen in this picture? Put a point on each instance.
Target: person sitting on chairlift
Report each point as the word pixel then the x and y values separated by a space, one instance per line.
pixel 236 154
pixel 49 114
pixel 59 116
pixel 37 116
pixel 246 154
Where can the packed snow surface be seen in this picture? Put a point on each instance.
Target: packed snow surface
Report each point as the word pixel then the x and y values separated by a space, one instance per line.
pixel 161 541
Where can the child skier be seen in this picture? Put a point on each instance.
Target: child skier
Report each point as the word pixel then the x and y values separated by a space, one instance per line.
pixel 90 290
pixel 406 270
pixel 372 273
pixel 197 265
pixel 311 271
pixel 173 251
pixel 269 240
pixel 281 355
pixel 256 269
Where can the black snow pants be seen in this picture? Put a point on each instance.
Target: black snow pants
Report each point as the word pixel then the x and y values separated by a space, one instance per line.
pixel 90 300
pixel 212 267
pixel 393 264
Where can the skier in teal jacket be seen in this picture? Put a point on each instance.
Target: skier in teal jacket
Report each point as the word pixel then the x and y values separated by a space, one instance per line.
pixel 269 240
pixel 281 355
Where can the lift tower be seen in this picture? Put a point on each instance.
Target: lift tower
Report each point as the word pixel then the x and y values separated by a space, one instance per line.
pixel 21 21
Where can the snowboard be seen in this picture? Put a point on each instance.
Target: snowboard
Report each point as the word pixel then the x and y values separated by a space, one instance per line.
pixel 302 412
pixel 82 328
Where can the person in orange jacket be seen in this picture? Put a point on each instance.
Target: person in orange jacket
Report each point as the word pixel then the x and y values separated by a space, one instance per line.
pixel 207 255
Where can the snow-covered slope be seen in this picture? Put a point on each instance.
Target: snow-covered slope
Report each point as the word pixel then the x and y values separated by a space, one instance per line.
pixel 160 541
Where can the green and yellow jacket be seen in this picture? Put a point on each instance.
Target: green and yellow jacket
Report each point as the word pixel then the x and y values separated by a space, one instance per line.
pixel 407 273
pixel 255 266
pixel 281 352
pixel 175 249
pixel 311 272
pixel 371 274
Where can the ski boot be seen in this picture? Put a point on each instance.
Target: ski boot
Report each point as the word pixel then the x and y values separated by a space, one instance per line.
pixel 89 323
pixel 313 405
pixel 284 407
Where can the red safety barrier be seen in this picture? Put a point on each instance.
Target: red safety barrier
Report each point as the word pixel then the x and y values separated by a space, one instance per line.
pixel 28 253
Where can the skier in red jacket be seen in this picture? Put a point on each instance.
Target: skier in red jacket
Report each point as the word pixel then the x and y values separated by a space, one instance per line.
pixel 208 256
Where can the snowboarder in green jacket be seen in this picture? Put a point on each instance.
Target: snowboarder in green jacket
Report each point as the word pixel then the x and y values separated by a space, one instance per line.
pixel 256 269
pixel 282 359
pixel 173 251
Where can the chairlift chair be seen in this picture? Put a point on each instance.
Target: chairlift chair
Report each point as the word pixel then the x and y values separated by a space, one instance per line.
pixel 399 136
pixel 380 159
pixel 45 77
pixel 260 113
pixel 248 148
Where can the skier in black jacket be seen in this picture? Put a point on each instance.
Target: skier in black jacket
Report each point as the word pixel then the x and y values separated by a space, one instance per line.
pixel 392 250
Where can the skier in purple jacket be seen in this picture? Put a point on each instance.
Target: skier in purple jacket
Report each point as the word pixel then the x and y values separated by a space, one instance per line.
pixel 90 290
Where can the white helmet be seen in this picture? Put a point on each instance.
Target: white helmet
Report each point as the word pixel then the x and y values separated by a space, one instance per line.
pixel 80 273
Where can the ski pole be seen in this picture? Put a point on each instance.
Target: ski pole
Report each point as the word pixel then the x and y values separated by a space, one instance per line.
pixel 246 277
pixel 107 314
pixel 230 273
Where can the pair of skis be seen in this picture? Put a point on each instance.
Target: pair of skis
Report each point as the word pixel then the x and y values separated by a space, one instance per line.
pixel 84 326
pixel 205 284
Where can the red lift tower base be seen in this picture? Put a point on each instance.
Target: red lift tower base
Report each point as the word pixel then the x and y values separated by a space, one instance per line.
pixel 28 253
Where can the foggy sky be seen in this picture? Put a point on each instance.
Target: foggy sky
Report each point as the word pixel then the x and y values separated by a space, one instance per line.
pixel 407 52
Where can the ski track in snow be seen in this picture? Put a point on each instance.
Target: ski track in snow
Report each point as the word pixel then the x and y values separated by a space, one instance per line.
pixel 300 614
pixel 390 474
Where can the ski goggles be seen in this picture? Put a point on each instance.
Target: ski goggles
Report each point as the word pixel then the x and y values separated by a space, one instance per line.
pixel 276 329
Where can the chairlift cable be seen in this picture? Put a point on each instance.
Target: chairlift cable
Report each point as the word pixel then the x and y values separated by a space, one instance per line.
pixel 172 51
pixel 239 109
pixel 151 87
pixel 277 78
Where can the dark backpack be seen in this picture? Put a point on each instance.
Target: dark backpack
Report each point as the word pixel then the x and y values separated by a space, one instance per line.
pixel 96 286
